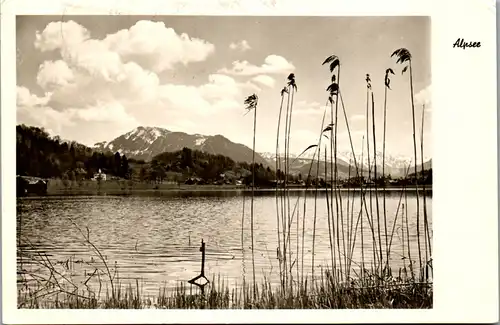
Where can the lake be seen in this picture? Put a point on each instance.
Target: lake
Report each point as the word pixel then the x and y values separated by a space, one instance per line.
pixel 156 238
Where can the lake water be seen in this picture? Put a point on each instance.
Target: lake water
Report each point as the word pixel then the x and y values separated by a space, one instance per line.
pixel 156 238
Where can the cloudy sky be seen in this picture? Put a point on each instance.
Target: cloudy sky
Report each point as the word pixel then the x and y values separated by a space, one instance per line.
pixel 93 78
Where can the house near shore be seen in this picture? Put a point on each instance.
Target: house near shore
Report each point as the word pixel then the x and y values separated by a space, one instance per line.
pixel 370 183
pixel 275 182
pixel 228 178
pixel 194 181
pixel 99 176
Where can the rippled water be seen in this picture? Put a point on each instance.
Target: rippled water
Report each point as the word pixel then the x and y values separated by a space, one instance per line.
pixel 156 239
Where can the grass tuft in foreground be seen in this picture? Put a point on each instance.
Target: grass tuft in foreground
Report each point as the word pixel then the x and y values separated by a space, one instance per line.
pixel 370 292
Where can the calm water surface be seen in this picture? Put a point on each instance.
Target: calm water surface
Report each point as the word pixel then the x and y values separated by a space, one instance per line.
pixel 156 239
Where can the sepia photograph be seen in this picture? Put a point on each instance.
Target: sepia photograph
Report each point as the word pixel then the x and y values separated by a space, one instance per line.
pixel 227 161
pixel 224 162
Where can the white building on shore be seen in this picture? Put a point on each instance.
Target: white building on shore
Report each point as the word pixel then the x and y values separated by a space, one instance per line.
pixel 99 176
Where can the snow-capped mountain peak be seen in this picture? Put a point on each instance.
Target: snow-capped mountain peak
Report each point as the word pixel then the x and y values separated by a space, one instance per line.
pixel 200 141
pixel 396 165
pixel 396 161
pixel 146 134
pixel 147 142
pixel 101 144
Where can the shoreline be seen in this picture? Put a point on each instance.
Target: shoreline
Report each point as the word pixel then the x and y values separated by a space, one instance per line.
pixel 186 189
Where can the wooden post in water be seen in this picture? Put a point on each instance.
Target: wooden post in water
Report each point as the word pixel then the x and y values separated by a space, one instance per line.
pixel 202 250
pixel 202 272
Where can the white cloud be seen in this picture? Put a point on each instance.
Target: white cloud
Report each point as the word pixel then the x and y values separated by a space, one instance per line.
pixel 94 58
pixel 226 104
pixel 102 112
pixel 106 86
pixel 150 44
pixel 60 35
pixel 264 80
pixel 220 93
pixel 121 67
pixel 273 64
pixel 33 110
pixel 220 86
pixel 26 98
pixel 54 74
pixel 140 84
pixel 185 98
pixel 250 87
pixel 241 46
pixel 158 47
pixel 43 116
pixel 129 83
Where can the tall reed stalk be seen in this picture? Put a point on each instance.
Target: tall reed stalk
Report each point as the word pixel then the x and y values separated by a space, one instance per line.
pixel 376 185
pixel 242 232
pixel 404 56
pixel 292 88
pixel 426 224
pixel 331 232
pixel 278 194
pixel 408 232
pixel 315 207
pixel 348 225
pixel 361 212
pixel 342 232
pixel 286 220
pixel 251 104
pixel 387 82
pixel 338 198
pixel 374 242
pixel 333 90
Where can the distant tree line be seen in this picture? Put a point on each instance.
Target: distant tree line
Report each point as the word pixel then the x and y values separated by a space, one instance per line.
pixel 206 168
pixel 424 178
pixel 40 155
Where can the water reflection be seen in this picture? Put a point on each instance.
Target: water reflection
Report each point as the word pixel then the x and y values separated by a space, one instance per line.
pixel 155 238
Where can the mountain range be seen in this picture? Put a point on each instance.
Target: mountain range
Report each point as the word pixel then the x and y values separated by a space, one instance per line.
pixel 396 166
pixel 147 142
